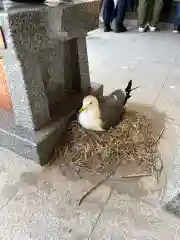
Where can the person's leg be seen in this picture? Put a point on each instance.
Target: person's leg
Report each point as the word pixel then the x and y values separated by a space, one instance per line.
pixel 101 11
pixel 158 4
pixel 101 4
pixel 142 13
pixel 150 7
pixel 120 15
pixel 108 14
pixel 177 19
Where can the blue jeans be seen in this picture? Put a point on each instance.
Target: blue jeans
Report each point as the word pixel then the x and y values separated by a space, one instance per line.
pixel 177 19
pixel 110 12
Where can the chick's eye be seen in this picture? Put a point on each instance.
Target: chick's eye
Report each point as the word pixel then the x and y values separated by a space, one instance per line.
pixel 90 102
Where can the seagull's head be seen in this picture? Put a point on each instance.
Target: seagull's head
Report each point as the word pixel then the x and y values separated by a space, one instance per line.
pixel 90 103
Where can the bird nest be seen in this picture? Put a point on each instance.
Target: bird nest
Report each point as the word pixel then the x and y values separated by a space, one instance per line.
pixel 131 142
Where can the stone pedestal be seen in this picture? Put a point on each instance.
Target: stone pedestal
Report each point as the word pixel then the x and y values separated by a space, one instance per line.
pixel 46 71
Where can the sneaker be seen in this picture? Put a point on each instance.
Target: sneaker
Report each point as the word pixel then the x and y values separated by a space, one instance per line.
pixel 120 28
pixel 101 19
pixel 141 29
pixel 152 28
pixel 107 28
pixel 175 31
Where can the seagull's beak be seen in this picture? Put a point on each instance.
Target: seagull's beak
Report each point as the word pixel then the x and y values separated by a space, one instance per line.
pixel 81 110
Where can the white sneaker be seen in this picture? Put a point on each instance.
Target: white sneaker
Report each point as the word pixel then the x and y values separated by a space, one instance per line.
pixel 101 19
pixel 141 29
pixel 152 29
pixel 175 31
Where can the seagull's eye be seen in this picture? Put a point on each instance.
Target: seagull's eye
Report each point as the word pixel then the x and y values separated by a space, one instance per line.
pixel 90 103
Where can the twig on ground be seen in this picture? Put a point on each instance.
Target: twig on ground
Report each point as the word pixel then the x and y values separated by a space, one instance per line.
pixel 98 184
pixel 164 190
pixel 159 136
pixel 138 175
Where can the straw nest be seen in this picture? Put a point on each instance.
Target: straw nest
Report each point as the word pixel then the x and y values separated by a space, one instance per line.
pixel 131 141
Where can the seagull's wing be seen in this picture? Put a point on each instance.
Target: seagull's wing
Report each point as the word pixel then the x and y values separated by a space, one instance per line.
pixel 111 111
pixel 119 95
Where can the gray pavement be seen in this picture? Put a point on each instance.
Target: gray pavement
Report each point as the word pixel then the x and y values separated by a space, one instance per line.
pixel 40 204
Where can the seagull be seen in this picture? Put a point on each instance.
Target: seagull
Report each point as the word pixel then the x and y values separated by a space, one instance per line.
pixel 106 112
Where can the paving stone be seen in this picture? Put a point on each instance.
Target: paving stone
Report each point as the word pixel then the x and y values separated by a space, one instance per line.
pixel 173 206
pixel 11 167
pixel 130 219
pixel 169 99
pixel 45 206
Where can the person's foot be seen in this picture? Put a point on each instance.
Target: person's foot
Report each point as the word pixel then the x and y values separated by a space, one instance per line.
pixel 142 29
pixel 101 19
pixel 152 28
pixel 120 28
pixel 175 31
pixel 107 28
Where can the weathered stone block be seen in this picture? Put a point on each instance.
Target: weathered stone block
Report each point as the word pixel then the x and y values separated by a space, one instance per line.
pixel 47 71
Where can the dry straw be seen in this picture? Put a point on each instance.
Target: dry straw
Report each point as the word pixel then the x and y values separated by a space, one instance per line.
pixel 132 140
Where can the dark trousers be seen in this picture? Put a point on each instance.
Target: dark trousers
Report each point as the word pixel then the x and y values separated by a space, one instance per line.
pixel 110 11
pixel 177 19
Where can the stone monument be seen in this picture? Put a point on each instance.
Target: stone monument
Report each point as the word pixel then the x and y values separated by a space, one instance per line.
pixel 44 72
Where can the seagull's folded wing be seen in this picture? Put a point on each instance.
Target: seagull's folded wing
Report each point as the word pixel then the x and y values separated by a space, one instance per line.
pixel 111 111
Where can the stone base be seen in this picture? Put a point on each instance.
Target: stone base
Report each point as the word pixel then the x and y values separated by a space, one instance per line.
pixel 39 145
